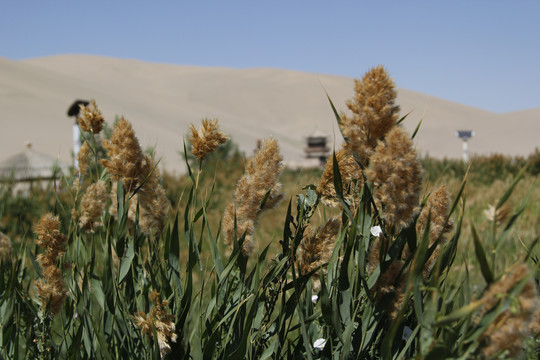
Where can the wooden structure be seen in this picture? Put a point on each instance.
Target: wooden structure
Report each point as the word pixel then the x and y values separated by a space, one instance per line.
pixel 317 147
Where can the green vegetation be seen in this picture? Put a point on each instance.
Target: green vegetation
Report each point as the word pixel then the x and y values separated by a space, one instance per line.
pixel 360 260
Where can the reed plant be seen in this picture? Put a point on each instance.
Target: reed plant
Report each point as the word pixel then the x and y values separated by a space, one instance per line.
pixel 367 263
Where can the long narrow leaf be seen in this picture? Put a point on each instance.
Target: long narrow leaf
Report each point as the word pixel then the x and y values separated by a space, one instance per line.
pixel 481 257
pixel 336 114
pixel 511 188
pixel 125 265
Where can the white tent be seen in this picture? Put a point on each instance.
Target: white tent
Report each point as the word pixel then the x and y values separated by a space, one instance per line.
pixel 31 165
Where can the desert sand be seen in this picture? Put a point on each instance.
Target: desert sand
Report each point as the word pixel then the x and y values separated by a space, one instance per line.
pixel 162 100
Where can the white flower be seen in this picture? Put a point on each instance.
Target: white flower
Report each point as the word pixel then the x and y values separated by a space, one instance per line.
pixel 376 231
pixel 314 298
pixel 490 213
pixel 319 343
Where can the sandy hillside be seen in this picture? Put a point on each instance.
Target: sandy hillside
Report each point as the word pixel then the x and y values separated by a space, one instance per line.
pixel 162 100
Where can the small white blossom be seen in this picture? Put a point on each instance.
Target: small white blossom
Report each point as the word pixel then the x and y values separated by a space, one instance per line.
pixel 491 213
pixel 314 298
pixel 376 231
pixel 319 343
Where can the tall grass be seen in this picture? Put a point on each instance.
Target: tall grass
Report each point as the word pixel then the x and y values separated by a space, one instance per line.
pixel 367 260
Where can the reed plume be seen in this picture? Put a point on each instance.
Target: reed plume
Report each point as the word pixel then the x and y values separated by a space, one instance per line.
pixel 159 321
pixel 258 189
pixel 51 288
pixel 507 333
pixel 374 113
pixel 351 179
pixel 5 247
pixel 83 158
pixel 90 118
pixel 153 201
pixel 206 139
pixel 93 203
pixel 125 155
pixel 436 208
pixel 396 175
pixel 391 283
pixel 316 248
pixel 534 326
pixel 374 255
pixel 139 175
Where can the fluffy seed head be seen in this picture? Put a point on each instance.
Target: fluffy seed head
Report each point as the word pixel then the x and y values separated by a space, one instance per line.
pixel 5 247
pixel 151 198
pixel 396 175
pixel 137 171
pixel 51 288
pixel 261 179
pixel 512 326
pixel 437 206
pixel 153 201
pixel 391 283
pixel 374 255
pixel 206 139
pixel 90 118
pixel 83 158
pixel 159 321
pixel 316 249
pixel 49 236
pixel 351 178
pixel 125 155
pixel 92 205
pixel 374 113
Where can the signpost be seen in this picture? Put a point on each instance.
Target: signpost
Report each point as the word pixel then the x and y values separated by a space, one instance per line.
pixel 465 135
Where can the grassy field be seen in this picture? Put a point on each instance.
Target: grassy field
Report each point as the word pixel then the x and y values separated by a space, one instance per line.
pixel 488 179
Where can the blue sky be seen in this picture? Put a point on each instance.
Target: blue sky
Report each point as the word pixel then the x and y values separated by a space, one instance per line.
pixel 483 53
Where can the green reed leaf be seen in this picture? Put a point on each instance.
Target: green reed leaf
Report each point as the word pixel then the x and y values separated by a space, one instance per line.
pixel 125 264
pixel 287 233
pixel 190 172
pixel 336 114
pixel 481 257
pixel 35 264
pixel 519 211
pixel 120 200
pixel 401 119
pixel 460 192
pixel 511 188
pixel 460 314
pixel 416 129
pixel 173 250
pixel 530 250
pixel 103 345
pixel 338 183
pixel 97 292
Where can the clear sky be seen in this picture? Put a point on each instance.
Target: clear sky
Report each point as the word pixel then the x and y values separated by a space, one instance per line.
pixel 483 53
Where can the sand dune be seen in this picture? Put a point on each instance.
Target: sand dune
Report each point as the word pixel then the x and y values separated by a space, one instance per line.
pixel 162 100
